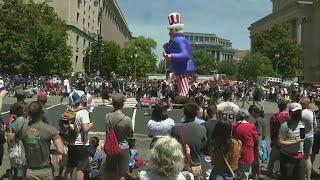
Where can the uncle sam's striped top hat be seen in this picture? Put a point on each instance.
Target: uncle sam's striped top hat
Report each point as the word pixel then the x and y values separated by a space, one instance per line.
pixel 175 21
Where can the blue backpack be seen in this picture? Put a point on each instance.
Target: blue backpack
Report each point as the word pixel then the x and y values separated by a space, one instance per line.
pixel 264 157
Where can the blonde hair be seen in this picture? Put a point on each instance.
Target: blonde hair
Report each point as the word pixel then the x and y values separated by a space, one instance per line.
pixel 167 157
pixel 305 102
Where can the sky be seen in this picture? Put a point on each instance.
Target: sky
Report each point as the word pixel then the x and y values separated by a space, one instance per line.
pixel 228 19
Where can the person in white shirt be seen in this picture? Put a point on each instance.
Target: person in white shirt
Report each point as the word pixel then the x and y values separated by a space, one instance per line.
pixel 160 124
pixel 78 155
pixel 66 89
pixel 228 110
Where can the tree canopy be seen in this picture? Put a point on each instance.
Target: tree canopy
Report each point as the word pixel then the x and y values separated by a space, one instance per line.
pixel 228 67
pixel 204 61
pixel 33 39
pixel 254 65
pixel 136 54
pixel 277 44
pixel 109 56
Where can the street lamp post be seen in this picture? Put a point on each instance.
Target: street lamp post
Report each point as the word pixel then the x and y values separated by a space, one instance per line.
pixel 90 62
pixel 135 65
pixel 277 61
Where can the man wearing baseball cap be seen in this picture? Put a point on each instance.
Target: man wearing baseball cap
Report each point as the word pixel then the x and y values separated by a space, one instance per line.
pixel 291 138
pixel 78 155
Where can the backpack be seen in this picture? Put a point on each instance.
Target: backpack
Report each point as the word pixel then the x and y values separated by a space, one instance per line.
pixel 111 144
pixel 17 153
pixel 280 122
pixel 69 129
pixel 264 155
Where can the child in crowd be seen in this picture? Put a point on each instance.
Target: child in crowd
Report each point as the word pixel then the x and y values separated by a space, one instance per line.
pixel 15 147
pixel 135 162
pixel 96 158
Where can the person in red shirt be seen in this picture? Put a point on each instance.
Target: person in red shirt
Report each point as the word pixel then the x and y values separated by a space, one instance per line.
pixel 247 133
pixel 275 123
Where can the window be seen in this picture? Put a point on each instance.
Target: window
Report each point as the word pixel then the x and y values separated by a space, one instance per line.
pixel 76 60
pixel 77 40
pixel 88 25
pixel 79 3
pixel 84 43
pixel 84 2
pixel 89 43
pixel 78 14
pixel 83 22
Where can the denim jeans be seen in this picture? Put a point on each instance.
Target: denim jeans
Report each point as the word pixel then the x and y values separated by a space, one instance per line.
pixel 274 156
pixel 218 175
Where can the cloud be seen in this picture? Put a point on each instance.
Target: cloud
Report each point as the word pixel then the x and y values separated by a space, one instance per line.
pixel 226 18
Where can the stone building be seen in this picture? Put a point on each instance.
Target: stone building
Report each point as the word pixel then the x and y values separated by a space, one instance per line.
pixel 219 48
pixel 304 19
pixel 82 19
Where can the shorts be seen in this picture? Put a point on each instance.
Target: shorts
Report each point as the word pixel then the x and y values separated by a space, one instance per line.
pixel 45 173
pixel 118 163
pixel 307 146
pixel 316 143
pixel 19 171
pixel 78 157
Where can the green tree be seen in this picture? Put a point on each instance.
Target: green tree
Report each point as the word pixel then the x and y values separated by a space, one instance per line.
pixel 138 57
pixel 161 67
pixel 254 65
pixel 33 39
pixel 284 52
pixel 108 57
pixel 204 61
pixel 229 67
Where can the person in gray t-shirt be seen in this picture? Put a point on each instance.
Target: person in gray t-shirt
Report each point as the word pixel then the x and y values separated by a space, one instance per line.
pixel 117 167
pixel 36 137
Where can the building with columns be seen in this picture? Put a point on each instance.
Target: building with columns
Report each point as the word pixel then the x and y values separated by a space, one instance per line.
pixel 85 25
pixel 304 18
pixel 221 49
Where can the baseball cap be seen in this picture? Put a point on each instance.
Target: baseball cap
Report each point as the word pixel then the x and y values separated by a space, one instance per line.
pixel 77 97
pixel 244 113
pixel 42 96
pixel 294 107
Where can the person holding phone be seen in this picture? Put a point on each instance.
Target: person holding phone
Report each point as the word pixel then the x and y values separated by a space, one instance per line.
pixel 291 140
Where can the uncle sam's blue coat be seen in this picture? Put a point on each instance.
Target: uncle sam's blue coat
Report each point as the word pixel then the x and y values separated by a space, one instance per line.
pixel 181 55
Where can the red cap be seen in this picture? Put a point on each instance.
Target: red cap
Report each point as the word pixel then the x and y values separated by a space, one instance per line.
pixel 42 96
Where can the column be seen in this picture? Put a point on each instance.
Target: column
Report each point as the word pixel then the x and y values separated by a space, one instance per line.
pixel 299 29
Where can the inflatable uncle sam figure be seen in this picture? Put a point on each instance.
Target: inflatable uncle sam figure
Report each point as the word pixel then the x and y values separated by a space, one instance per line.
pixel 178 51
